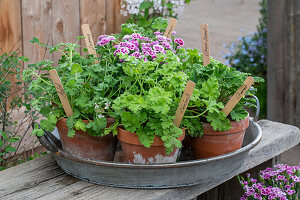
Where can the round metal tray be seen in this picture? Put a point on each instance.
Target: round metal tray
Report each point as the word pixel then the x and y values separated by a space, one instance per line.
pixel 182 173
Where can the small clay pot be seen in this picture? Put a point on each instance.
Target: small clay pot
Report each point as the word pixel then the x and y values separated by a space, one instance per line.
pixel 87 146
pixel 214 143
pixel 135 152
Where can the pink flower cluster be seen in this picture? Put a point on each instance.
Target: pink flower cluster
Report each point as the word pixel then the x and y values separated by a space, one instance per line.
pixel 141 47
pixel 279 183
pixel 104 39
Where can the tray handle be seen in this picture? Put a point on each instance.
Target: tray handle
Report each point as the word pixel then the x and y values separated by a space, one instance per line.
pixel 256 117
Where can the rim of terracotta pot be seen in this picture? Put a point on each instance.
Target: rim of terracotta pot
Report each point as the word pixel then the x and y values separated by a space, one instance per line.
pixel 235 127
pixel 132 138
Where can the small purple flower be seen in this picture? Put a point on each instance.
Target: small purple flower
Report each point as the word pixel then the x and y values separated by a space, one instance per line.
pixel 253 180
pixel 265 191
pixel 257 196
pixel 117 51
pixel 280 177
pixel 287 186
pixel 161 38
pixel 290 192
pixel 166 45
pixel 290 171
pixel 111 38
pixel 158 48
pixel 101 37
pixel 103 42
pixel 124 50
pixel 157 33
pixel 174 33
pixel 136 54
pixel 126 37
pixel 179 41
pixel 154 43
pixel 136 36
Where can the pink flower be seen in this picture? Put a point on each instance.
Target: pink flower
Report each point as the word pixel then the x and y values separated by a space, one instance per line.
pixel 161 38
pixel 136 54
pixel 179 41
pixel 158 48
pixel 117 51
pixel 101 37
pixel 136 36
pixel 111 38
pixel 154 43
pixel 124 50
pixel 166 45
pixel 290 192
pixel 157 33
pixel 174 33
pixel 103 42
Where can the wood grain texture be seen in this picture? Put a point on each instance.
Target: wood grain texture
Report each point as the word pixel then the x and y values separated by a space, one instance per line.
pixel 283 58
pixel 89 43
pixel 114 19
pixel 10 26
pixel 36 22
pixel 11 35
pixel 65 22
pixel 41 178
pixel 93 12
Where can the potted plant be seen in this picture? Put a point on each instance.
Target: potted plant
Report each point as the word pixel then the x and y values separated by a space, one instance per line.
pixel 212 132
pixel 154 83
pixel 90 88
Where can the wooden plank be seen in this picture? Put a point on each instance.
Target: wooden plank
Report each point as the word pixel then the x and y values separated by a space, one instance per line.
pixel 41 177
pixel 65 22
pixel 93 12
pixel 184 102
pixel 61 93
pixel 11 35
pixel 36 22
pixel 283 61
pixel 10 26
pixel 114 19
pixel 205 44
pixel 238 95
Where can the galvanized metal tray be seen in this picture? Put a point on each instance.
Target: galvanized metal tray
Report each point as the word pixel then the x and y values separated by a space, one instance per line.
pixel 182 173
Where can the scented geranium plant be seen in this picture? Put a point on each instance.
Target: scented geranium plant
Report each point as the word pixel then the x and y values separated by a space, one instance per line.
pixel 281 182
pixel 153 84
pixel 215 84
pixel 89 86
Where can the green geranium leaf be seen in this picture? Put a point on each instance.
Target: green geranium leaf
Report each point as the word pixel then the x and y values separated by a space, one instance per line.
pixel 218 121
pixel 210 88
pixel 238 113
pixel 80 125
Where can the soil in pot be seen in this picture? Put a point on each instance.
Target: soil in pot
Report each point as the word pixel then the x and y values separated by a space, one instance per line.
pixel 214 143
pixel 135 152
pixel 87 146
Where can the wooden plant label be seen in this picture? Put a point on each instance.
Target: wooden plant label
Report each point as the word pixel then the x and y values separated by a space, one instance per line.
pixel 88 39
pixel 184 102
pixel 205 44
pixel 238 95
pixel 61 93
pixel 170 27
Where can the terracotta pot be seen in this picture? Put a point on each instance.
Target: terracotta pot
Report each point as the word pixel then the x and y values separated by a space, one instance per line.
pixel 87 146
pixel 135 152
pixel 214 143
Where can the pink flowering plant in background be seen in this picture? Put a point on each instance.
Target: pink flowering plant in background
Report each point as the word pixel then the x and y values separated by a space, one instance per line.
pixel 281 182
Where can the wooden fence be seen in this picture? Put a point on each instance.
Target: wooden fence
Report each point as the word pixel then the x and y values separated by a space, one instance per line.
pixel 53 21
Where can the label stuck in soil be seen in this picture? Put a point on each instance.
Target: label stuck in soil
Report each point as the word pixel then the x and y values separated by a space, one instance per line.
pixel 61 93
pixel 205 44
pixel 184 102
pixel 88 39
pixel 170 27
pixel 238 95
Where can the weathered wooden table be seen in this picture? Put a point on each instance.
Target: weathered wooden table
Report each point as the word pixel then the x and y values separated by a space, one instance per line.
pixel 41 178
